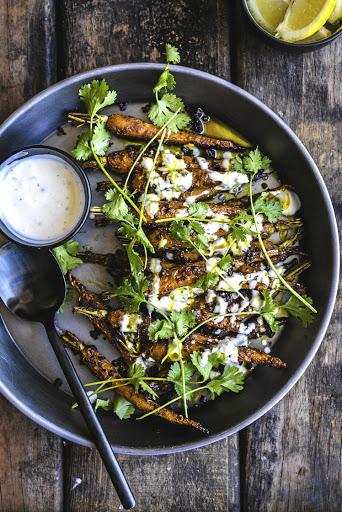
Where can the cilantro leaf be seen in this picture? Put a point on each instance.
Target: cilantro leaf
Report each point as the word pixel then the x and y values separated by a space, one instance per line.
pixel 183 321
pixel 199 210
pixel 66 255
pixel 180 322
pixel 232 379
pixel 166 81
pixel 100 139
pixel 241 226
pixel 96 95
pixel 172 54
pixel 269 311
pixel 106 405
pixel 225 262
pixel 272 208
pixel 297 309
pixel 208 281
pixel 82 149
pixel 116 209
pixel 131 292
pixel 136 373
pixel 179 232
pixel 175 376
pixel 136 263
pixel 201 242
pixel 138 234
pixel 122 408
pixel 163 110
pixel 251 163
pixel 197 226
pixel 160 329
pixel 213 359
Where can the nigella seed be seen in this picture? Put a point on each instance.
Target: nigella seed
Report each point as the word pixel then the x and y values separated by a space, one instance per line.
pixel 60 131
pixel 123 106
pixel 146 108
pixel 209 153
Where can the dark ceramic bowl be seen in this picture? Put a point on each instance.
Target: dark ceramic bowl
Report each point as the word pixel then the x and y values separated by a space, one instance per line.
pixel 38 150
pixel 299 47
pixel 50 406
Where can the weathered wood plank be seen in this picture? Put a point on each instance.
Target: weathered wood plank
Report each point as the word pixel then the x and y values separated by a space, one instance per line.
pixel 292 456
pixel 206 479
pixel 31 464
pixel 27 60
pixel 31 468
pixel 102 33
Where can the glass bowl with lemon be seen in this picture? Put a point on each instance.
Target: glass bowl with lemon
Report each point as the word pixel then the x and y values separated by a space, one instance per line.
pixel 303 25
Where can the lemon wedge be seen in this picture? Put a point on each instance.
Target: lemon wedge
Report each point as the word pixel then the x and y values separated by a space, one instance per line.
pixel 336 15
pixel 322 33
pixel 268 13
pixel 303 18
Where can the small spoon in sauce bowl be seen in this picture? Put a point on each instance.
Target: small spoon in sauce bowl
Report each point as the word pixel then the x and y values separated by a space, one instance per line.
pixel 32 286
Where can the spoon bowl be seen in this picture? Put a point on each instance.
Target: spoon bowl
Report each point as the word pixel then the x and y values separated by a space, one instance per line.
pixel 32 286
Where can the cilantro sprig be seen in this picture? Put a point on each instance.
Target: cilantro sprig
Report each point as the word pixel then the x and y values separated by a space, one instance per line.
pixel 182 233
pixel 66 255
pixel 250 165
pixel 96 96
pixel 271 208
pixel 168 104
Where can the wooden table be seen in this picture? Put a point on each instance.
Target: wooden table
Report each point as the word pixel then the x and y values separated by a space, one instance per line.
pixel 290 459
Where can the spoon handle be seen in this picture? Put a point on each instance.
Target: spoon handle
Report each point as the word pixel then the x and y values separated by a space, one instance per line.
pixel 92 422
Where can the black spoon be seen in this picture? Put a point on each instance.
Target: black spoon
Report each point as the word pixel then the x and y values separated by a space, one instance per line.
pixel 32 286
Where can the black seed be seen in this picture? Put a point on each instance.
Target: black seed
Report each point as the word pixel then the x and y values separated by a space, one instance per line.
pixel 146 108
pixel 60 131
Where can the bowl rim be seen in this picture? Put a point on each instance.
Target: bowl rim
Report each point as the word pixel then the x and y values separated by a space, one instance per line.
pixel 287 44
pixel 102 71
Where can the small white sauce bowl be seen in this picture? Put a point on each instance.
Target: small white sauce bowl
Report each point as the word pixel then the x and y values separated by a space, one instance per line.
pixel 39 150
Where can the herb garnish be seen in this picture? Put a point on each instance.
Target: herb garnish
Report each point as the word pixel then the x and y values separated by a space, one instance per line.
pixel 250 165
pixel 66 255
pixel 168 104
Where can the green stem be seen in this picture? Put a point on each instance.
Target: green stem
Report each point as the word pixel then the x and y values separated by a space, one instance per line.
pixel 219 271
pixel 147 146
pixel 269 261
pixel 247 313
pixel 118 188
pixel 171 402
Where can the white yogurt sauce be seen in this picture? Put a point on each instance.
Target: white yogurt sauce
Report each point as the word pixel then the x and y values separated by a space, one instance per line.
pixel 41 197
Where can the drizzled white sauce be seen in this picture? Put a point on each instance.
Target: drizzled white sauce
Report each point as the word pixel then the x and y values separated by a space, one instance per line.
pixel 41 198
pixel 289 200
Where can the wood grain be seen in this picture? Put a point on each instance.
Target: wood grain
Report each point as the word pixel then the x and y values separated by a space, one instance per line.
pixel 31 476
pixel 101 33
pixel 27 58
pixel 206 479
pixel 30 456
pixel 292 456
